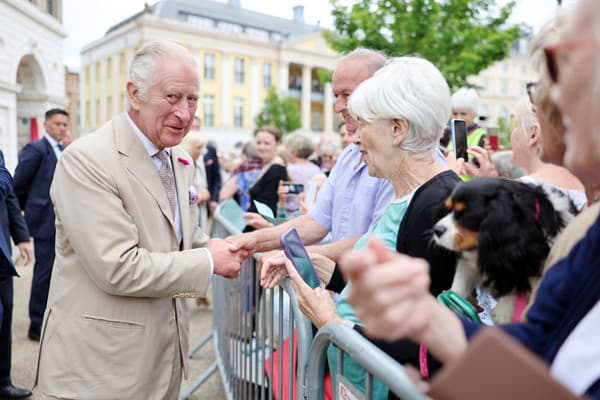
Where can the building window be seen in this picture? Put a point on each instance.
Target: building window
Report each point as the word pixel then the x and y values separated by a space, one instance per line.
pixel 109 67
pixel 504 87
pixel 200 21
pixel 109 106
pixel 50 7
pixel 97 72
pixel 267 75
pixel 239 70
pixel 238 112
pixel 229 27
pixel 209 66
pixel 122 63
pixel 257 33
pixel 209 111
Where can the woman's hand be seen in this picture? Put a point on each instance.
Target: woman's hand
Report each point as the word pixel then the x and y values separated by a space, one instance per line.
pixel 316 304
pixel 486 167
pixel 256 220
pixel 456 165
pixel 273 269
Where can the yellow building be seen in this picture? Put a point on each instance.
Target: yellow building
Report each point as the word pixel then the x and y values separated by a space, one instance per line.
pixel 240 54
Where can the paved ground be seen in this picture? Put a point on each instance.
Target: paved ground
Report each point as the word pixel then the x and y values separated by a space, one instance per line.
pixel 25 351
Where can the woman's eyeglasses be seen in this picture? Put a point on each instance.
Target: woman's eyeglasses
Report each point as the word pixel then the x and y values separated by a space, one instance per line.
pixel 556 54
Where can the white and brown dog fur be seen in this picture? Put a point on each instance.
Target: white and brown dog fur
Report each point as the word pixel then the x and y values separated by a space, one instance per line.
pixel 503 230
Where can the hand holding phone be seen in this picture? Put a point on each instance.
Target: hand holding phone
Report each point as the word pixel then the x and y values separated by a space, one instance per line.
pixel 296 252
pixel 459 138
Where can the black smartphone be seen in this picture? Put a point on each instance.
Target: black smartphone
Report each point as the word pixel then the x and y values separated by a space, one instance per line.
pixel 294 187
pixel 296 252
pixel 459 138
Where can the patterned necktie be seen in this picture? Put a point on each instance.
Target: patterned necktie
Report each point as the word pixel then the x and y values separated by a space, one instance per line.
pixel 167 178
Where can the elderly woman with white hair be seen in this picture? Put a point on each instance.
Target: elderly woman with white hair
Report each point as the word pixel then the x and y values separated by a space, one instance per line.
pixel 527 146
pixel 402 111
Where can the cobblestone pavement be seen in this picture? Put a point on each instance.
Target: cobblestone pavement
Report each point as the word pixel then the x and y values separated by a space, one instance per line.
pixel 25 351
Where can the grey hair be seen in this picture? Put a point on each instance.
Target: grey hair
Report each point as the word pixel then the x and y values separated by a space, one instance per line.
pixel 505 167
pixel 374 59
pixel 466 98
pixel 143 72
pixel 525 116
pixel 410 88
pixel 299 144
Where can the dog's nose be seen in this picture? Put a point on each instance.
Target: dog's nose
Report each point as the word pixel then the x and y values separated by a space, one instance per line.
pixel 439 230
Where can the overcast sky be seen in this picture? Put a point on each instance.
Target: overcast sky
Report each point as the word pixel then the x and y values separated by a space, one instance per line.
pixel 86 21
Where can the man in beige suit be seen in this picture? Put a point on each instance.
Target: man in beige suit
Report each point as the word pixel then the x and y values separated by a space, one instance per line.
pixel 127 245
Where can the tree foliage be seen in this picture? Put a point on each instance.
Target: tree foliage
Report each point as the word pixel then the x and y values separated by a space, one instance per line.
pixel 461 37
pixel 284 113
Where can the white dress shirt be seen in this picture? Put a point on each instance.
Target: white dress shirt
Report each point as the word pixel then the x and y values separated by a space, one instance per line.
pixel 54 144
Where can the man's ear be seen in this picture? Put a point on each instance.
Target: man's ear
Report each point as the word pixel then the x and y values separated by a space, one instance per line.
pixel 133 94
pixel 400 129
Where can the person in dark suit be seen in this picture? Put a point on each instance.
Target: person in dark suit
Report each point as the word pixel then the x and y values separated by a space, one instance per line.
pixel 31 184
pixel 11 224
pixel 213 175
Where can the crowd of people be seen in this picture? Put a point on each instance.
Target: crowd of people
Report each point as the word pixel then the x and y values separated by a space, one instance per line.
pixel 119 218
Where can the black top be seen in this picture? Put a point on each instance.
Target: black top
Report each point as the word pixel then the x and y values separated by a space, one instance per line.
pixel 265 189
pixel 415 238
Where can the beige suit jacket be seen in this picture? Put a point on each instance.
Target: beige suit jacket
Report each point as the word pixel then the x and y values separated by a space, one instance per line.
pixel 114 323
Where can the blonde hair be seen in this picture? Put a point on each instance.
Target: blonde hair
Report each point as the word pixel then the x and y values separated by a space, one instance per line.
pixel 191 140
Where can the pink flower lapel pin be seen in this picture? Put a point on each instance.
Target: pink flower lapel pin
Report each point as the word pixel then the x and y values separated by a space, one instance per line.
pixel 193 194
pixel 183 161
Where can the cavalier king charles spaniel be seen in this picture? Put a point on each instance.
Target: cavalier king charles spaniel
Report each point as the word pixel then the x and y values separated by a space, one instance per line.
pixel 503 230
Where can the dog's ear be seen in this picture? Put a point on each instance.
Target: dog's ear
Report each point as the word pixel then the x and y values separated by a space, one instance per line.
pixel 512 246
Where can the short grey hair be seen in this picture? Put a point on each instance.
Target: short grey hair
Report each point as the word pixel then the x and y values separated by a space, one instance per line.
pixel 373 59
pixel 466 98
pixel 299 144
pixel 143 72
pixel 410 88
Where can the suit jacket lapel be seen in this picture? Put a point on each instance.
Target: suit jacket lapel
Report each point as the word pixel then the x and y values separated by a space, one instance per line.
pixel 182 180
pixel 138 162
pixel 50 150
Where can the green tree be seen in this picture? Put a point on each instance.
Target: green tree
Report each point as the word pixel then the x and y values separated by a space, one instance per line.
pixel 461 37
pixel 284 113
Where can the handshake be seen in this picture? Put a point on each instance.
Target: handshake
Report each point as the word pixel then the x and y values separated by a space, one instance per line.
pixel 228 256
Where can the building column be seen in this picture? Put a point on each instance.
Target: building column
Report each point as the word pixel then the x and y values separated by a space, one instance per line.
pixel 255 84
pixel 103 95
pixel 305 102
pixel 116 89
pixel 82 111
pixel 284 77
pixel 225 92
pixel 92 109
pixel 328 108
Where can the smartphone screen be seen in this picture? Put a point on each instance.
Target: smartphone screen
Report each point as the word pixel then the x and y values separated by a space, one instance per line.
pixel 295 251
pixel 459 138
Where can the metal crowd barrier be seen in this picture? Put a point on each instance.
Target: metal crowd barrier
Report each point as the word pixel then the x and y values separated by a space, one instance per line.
pixel 246 332
pixel 377 364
